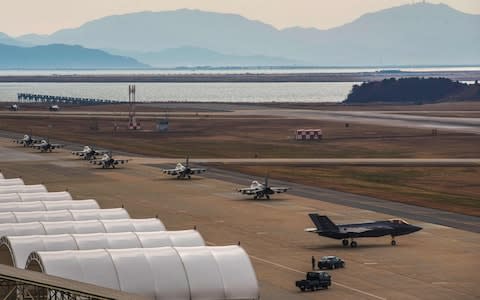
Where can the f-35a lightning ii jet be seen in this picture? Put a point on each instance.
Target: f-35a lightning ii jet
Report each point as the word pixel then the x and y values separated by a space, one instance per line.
pixel 394 227
pixel 260 190
pixel 108 161
pixel 184 171
pixel 46 146
pixel 89 153
pixel 27 141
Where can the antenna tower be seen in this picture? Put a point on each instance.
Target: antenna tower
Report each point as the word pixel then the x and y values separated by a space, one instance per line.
pixel 132 120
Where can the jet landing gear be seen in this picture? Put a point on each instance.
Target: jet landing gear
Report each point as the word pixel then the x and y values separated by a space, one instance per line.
pixel 393 242
pixel 345 242
pixel 353 244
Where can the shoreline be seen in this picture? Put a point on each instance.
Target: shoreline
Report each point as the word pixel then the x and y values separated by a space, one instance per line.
pixel 240 78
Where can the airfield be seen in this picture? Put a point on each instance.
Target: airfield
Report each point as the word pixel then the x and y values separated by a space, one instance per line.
pixel 439 262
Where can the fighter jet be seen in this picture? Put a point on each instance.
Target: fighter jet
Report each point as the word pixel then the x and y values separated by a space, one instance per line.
pixel 182 171
pixel 45 146
pixel 89 153
pixel 394 227
pixel 108 161
pixel 260 190
pixel 27 141
pixel 54 107
pixel 13 107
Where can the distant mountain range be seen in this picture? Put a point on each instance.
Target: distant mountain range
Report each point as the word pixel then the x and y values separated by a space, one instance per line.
pixel 61 57
pixel 417 34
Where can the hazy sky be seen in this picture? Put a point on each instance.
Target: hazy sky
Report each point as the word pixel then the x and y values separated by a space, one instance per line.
pixel 19 17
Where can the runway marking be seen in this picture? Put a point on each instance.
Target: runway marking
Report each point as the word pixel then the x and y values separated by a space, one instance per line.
pixel 300 272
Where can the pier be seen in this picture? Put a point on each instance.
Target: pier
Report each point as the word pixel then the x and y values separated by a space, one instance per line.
pixel 37 98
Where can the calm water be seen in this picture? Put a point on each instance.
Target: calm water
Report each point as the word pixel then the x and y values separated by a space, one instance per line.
pixel 195 92
pixel 251 70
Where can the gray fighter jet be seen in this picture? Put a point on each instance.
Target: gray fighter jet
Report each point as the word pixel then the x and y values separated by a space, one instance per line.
pixel 394 227
pixel 261 190
pixel 108 161
pixel 46 146
pixel 27 141
pixel 184 171
pixel 89 153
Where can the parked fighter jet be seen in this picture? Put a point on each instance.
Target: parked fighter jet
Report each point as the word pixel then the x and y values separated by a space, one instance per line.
pixel 88 153
pixel 394 227
pixel 182 171
pixel 54 107
pixel 108 161
pixel 260 190
pixel 45 146
pixel 13 107
pixel 27 141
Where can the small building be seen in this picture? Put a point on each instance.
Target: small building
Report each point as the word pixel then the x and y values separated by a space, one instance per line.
pixel 308 134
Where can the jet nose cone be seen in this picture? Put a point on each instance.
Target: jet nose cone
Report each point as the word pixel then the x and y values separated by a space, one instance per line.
pixel 415 228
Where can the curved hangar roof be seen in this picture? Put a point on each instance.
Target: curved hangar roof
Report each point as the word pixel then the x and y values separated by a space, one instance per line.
pixel 48 205
pixel 174 273
pixel 14 250
pixel 28 197
pixel 89 226
pixel 11 181
pixel 35 188
pixel 63 215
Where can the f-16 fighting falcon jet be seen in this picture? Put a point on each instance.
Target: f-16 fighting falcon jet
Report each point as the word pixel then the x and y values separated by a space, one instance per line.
pixel 89 153
pixel 108 161
pixel 13 107
pixel 27 141
pixel 394 227
pixel 184 171
pixel 260 190
pixel 45 146
pixel 54 107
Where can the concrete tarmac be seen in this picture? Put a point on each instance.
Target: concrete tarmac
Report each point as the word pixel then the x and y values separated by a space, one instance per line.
pixel 438 262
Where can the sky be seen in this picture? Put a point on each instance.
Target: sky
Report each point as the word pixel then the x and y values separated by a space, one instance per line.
pixel 18 17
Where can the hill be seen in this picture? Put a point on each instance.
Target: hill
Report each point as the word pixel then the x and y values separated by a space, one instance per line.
pixel 417 34
pixel 412 91
pixel 194 57
pixel 57 56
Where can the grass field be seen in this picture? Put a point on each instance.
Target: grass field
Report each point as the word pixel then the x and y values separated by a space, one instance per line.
pixel 214 136
pixel 453 189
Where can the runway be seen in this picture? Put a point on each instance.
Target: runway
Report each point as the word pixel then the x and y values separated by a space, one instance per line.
pixel 439 262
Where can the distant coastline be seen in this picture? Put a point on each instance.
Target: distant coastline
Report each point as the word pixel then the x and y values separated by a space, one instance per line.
pixel 242 77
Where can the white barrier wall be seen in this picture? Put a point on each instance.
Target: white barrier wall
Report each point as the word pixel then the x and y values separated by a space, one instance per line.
pixel 63 215
pixel 48 205
pixel 36 188
pixel 88 226
pixel 177 273
pixel 16 249
pixel 11 181
pixel 28 197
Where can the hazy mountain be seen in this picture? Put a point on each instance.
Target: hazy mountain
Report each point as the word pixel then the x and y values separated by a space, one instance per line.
pixel 193 56
pixel 7 40
pixel 421 33
pixel 61 56
pixel 417 34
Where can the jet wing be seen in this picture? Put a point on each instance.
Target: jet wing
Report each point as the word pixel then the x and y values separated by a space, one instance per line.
pixel 56 146
pixel 78 153
pixel 250 191
pixel 197 170
pixel 96 162
pixel 120 161
pixel 170 171
pixel 38 146
pixel 102 152
pixel 279 189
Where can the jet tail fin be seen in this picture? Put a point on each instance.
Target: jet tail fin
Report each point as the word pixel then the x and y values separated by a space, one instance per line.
pixel 323 223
